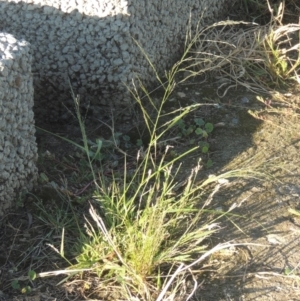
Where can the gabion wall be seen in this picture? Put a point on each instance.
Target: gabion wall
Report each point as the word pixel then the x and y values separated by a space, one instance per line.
pixel 18 151
pixel 90 42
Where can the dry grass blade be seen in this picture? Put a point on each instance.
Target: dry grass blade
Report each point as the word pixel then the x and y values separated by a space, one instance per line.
pixel 184 268
pixel 257 57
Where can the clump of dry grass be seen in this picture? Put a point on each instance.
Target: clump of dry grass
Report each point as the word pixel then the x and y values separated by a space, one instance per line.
pixel 257 57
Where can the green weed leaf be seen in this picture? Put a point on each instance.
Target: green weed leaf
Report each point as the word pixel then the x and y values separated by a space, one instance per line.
pixel 209 127
pixel 15 284
pixel 139 142
pixel 126 138
pixel 32 275
pixel 180 123
pixel 26 289
pixel 209 163
pixel 199 121
pixel 199 131
pixel 205 149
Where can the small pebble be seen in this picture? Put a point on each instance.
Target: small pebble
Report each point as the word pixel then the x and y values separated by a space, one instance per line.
pixel 181 94
pixel 245 100
pixel 235 121
pixel 219 125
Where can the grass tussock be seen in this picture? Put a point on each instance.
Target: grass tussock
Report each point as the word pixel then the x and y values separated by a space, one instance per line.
pixel 258 57
pixel 148 224
pixel 145 229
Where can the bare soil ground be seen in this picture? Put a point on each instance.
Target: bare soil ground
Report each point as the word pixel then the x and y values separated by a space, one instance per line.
pixel 270 269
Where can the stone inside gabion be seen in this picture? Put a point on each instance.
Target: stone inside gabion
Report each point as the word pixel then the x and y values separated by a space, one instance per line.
pixel 18 150
pixel 95 45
